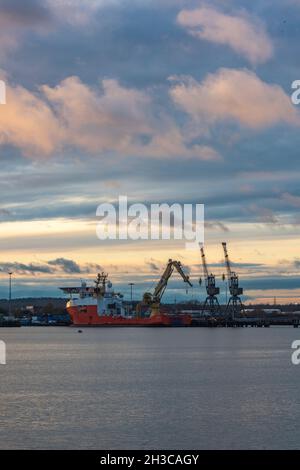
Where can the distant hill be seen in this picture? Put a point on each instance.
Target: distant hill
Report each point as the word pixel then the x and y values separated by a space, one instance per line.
pixel 60 303
pixel 34 301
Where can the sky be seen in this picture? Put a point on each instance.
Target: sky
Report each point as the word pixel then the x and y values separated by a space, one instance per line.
pixel 163 101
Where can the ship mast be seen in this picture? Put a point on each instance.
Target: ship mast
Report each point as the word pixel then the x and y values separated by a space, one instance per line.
pixel 100 283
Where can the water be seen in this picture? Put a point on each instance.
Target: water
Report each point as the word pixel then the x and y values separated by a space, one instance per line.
pixel 149 388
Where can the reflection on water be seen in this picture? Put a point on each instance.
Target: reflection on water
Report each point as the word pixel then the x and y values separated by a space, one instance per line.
pixel 149 388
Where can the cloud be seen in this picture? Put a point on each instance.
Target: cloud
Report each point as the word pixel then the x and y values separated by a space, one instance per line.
pixel 18 12
pixel 92 268
pixel 22 268
pixel 153 265
pixel 67 265
pixel 27 122
pixel 234 264
pixel 238 96
pixel 70 266
pixel 109 119
pixel 264 214
pixel 18 17
pixel 294 201
pixel 296 263
pixel 97 121
pixel 54 267
pixel 119 119
pixel 4 212
pixel 78 12
pixel 214 224
pixel 245 34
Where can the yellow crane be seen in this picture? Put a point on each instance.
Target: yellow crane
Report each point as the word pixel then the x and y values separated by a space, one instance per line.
pixel 153 300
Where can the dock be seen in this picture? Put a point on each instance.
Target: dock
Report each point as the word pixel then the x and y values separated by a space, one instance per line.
pixel 244 322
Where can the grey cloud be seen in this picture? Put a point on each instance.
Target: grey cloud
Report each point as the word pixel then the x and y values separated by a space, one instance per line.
pixel 24 12
pixel 291 199
pixel 70 266
pixel 58 265
pixel 270 283
pixel 264 214
pixel 67 265
pixel 23 268
pixel 4 212
pixel 216 225
pixel 152 265
pixel 92 268
pixel 221 264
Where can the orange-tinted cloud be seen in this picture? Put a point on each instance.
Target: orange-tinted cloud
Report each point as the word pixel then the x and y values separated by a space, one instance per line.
pixel 106 119
pixel 27 122
pixel 97 120
pixel 112 119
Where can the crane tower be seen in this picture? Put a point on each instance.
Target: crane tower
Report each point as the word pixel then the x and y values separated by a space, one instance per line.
pixel 234 305
pixel 211 302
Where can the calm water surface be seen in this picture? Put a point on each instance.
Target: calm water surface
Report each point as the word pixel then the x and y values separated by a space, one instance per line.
pixel 149 388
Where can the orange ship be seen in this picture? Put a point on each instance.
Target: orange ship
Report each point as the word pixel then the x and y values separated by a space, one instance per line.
pixel 100 305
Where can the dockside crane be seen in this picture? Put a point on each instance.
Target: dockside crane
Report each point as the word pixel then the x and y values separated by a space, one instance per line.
pixel 211 302
pixel 153 300
pixel 234 305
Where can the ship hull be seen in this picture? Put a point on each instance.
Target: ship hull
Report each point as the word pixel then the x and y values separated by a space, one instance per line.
pixel 88 316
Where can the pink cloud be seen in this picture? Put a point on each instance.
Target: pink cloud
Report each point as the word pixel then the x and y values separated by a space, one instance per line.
pixel 234 95
pixel 27 122
pixel 244 34
pixel 102 120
